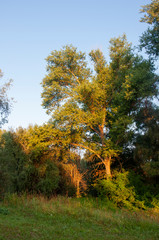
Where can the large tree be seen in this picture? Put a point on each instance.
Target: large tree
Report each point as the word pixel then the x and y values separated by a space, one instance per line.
pixel 95 109
pixel 150 38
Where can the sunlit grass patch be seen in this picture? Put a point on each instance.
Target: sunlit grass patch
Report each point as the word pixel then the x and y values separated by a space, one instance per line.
pixel 32 217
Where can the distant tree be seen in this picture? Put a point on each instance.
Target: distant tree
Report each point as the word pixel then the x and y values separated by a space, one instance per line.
pixel 146 151
pixel 150 38
pixel 43 172
pixel 13 164
pixel 147 138
pixel 49 158
pixel 5 104
pixel 95 111
pixel 25 162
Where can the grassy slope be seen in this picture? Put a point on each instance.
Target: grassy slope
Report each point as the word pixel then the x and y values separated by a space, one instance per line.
pixel 62 218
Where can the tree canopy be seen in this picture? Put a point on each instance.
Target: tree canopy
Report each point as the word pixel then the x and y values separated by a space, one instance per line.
pixel 96 109
pixel 150 38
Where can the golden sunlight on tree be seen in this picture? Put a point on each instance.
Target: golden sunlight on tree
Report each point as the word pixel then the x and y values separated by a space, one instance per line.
pixel 95 112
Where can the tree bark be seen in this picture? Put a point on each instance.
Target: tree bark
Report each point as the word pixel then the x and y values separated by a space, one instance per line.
pixel 78 189
pixel 107 162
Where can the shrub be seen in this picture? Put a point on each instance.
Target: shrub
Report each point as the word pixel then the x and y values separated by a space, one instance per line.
pixel 119 191
pixel 155 203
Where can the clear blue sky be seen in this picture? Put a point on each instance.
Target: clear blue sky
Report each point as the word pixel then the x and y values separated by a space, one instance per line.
pixel 31 29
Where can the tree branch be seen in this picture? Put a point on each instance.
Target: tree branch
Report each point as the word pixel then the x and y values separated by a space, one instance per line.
pixel 85 147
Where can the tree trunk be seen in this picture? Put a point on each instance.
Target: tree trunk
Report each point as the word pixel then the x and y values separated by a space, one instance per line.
pixel 107 167
pixel 77 189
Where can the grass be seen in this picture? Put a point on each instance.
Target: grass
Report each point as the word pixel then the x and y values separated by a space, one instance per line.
pixel 30 217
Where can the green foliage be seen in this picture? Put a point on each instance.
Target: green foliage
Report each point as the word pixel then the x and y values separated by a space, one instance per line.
pixel 107 112
pixel 151 11
pixel 150 38
pixel 49 182
pixel 146 141
pixel 13 164
pixel 128 189
pixel 33 160
pixel 119 191
pixel 95 111
pixel 4 211
pixel 66 187
pixel 5 102
pixel 155 203
pixel 42 172
pixel 66 69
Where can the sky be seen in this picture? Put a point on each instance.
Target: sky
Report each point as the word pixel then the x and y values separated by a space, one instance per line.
pixel 31 29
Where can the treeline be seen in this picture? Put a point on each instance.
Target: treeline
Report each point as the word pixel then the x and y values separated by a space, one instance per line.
pixel 36 160
pixel 33 161
pixel 102 138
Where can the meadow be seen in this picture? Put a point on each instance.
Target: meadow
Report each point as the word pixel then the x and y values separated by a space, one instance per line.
pixel 34 217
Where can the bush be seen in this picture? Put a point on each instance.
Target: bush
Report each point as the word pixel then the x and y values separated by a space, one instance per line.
pixel 119 191
pixel 155 203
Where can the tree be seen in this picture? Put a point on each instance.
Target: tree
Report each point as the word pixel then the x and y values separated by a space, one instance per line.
pixel 26 162
pixel 49 158
pixel 43 172
pixel 13 164
pixel 150 38
pixel 95 111
pixel 76 178
pixel 5 104
pixel 146 150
